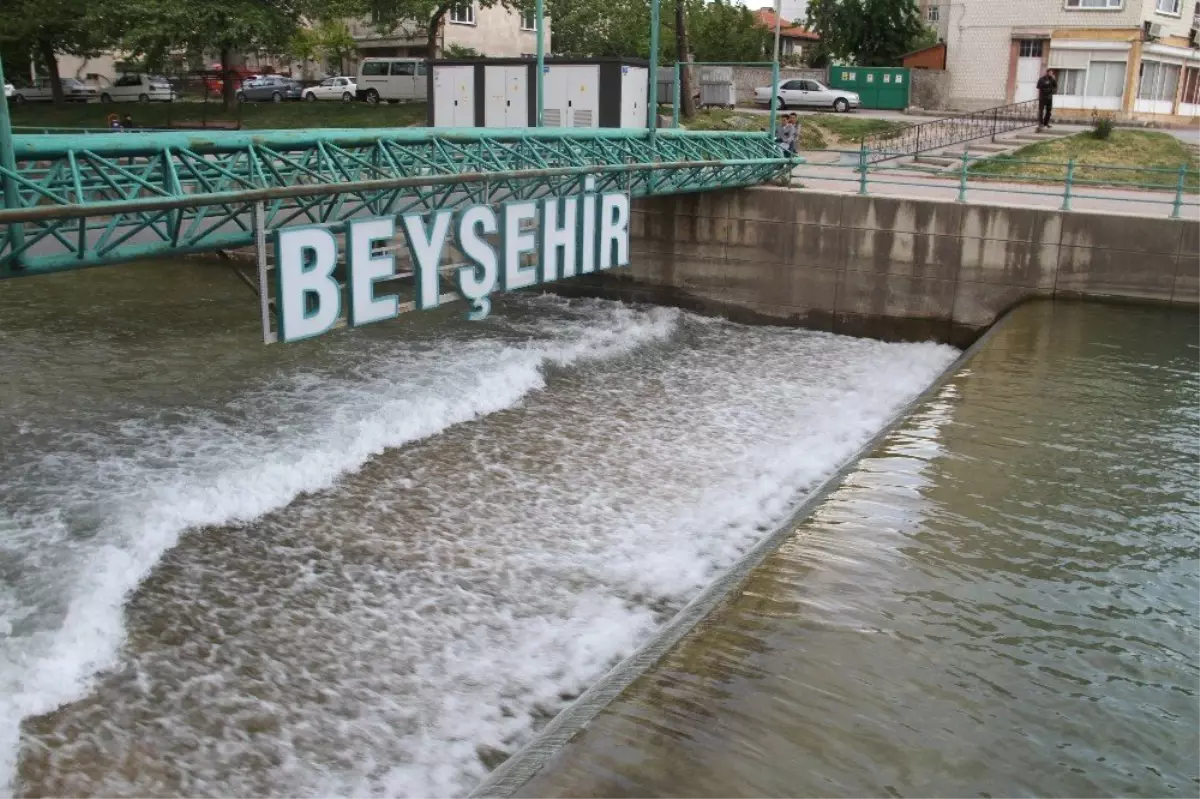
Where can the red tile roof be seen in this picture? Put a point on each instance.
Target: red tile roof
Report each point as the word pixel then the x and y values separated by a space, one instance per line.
pixel 766 18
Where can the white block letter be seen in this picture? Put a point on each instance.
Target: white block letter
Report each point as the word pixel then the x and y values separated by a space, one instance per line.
pixel 476 282
pixel 614 230
pixel 514 243
pixel 558 236
pixel 587 236
pixel 425 246
pixel 304 262
pixel 365 269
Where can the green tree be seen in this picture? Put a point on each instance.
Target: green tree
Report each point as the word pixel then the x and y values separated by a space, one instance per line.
pixel 867 32
pixel 40 29
pixel 587 28
pixel 459 51
pixel 724 31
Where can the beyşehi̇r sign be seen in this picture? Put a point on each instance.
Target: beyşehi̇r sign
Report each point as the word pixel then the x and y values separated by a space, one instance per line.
pixel 575 235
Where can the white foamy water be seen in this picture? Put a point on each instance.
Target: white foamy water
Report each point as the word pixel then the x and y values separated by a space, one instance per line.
pixel 376 565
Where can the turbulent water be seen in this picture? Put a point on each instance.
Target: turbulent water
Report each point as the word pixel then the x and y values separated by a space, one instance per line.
pixel 1003 599
pixel 373 563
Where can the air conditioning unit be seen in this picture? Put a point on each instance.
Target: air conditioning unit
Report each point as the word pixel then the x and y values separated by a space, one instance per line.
pixel 1152 30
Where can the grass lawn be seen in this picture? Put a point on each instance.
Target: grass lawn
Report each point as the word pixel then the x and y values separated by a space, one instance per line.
pixel 1148 150
pixel 817 131
pixel 254 116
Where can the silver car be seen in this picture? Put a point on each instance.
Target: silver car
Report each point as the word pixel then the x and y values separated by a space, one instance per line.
pixel 74 91
pixel 797 92
pixel 273 89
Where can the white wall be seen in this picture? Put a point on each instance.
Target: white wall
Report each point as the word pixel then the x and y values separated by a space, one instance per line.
pixel 496 33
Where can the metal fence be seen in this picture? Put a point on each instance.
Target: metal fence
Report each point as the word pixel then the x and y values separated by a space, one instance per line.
pixel 939 133
pixel 1172 188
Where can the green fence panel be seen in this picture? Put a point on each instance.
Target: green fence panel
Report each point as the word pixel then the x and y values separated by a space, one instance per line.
pixel 879 87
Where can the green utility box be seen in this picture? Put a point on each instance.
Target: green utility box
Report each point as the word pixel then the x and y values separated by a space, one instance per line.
pixel 879 87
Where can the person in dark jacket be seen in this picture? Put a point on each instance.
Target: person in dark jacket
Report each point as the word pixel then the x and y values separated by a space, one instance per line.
pixel 1047 87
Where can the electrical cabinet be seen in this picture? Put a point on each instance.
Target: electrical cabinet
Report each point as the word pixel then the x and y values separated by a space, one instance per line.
pixel 502 93
pixel 506 96
pixel 453 97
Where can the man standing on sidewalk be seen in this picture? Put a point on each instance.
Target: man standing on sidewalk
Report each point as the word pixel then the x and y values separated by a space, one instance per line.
pixel 1047 87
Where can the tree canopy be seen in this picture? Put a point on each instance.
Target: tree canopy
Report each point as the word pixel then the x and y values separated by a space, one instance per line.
pixel 867 32
pixel 717 31
pixel 38 29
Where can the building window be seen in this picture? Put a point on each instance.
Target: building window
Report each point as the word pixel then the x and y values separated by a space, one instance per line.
pixel 1159 81
pixel 1070 81
pixel 933 14
pixel 528 21
pixel 1103 4
pixel 1106 79
pixel 1167 7
pixel 1029 48
pixel 1191 86
pixel 462 13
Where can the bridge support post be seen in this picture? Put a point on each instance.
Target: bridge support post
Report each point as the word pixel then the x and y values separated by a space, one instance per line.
pixel 12 198
pixel 1177 206
pixel 863 166
pixel 1066 206
pixel 539 12
pixel 962 178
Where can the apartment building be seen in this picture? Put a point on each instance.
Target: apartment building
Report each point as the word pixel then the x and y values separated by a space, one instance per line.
pixel 495 31
pixel 1134 58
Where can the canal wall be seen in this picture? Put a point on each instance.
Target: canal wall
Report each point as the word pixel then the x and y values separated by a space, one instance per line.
pixel 888 268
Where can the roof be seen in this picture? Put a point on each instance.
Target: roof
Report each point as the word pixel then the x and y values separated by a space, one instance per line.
pixel 766 18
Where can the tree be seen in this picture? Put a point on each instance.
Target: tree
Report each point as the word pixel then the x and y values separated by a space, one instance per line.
pixel 43 28
pixel 725 31
pixel 613 28
pixel 155 27
pixel 868 32
pixel 387 15
pixel 459 51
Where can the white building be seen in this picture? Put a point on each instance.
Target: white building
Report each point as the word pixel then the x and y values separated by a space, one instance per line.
pixel 1136 58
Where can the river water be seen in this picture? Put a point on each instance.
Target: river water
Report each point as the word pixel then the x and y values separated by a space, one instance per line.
pixel 373 563
pixel 1002 599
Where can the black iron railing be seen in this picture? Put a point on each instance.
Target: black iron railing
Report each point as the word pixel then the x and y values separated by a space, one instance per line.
pixel 939 133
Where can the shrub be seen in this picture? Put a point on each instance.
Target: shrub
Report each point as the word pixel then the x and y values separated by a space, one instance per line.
pixel 1102 125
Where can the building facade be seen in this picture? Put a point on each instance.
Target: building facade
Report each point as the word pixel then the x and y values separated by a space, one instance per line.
pixel 1134 58
pixel 495 31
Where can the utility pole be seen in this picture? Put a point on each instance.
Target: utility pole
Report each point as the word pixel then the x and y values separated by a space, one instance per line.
pixel 681 55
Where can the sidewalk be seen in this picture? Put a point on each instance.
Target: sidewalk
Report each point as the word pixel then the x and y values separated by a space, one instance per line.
pixel 844 180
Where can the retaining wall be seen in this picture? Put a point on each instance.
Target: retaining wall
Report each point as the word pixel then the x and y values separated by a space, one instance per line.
pixel 888 268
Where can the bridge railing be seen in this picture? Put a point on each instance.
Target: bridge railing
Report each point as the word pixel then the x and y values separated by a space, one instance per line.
pixel 938 133
pixel 106 198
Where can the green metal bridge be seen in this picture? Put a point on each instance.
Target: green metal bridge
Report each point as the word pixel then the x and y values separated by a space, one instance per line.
pixel 76 201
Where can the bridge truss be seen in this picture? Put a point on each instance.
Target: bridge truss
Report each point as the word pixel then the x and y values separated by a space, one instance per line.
pixel 108 198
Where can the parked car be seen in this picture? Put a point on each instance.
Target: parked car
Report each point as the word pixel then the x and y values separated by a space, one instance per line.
pixel 342 89
pixel 138 88
pixel 274 89
pixel 74 91
pixel 9 90
pixel 392 79
pixel 803 92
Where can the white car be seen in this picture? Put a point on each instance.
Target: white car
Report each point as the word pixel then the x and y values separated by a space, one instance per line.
pixel 802 92
pixel 332 89
pixel 9 90
pixel 138 89
pixel 74 91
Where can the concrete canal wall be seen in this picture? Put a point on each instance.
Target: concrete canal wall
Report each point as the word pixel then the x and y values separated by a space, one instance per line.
pixel 889 268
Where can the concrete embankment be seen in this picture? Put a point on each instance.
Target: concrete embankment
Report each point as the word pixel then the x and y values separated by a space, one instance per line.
pixel 889 268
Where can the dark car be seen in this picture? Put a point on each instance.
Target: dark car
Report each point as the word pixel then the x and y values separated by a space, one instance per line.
pixel 274 89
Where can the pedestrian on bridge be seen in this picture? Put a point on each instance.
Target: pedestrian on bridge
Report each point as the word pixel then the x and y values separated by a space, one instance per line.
pixel 1047 87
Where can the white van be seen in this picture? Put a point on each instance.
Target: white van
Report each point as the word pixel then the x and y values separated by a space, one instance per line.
pixel 138 89
pixel 392 79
